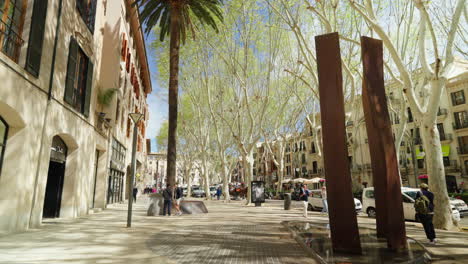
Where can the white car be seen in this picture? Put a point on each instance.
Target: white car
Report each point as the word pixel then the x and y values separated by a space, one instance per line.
pixel 408 197
pixel 315 201
pixel 460 205
pixel 198 192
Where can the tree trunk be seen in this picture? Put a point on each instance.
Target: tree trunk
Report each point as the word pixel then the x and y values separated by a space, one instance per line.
pixel 249 175
pixel 225 172
pixel 435 170
pixel 173 94
pixel 189 183
pixel 206 176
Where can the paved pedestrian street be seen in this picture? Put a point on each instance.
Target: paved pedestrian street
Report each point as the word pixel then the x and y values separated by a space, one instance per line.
pixel 229 233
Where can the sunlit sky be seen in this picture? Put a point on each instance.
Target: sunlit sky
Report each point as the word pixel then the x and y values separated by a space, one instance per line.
pixel 157 102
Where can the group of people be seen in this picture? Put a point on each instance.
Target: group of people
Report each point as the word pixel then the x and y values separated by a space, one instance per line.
pixel 172 197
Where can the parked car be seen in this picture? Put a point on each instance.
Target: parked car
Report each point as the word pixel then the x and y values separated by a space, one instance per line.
pixel 198 192
pixel 315 201
pixel 184 191
pixel 213 191
pixel 408 196
pixel 460 205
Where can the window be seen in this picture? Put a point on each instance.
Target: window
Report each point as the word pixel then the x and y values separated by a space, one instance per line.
pixel 420 163
pixel 446 161
pixel 303 158
pixel 410 115
pixel 87 10
pixel 458 98
pixel 440 128
pixel 314 167
pixel 370 194
pixel 313 148
pixel 36 37
pixel 3 138
pixel 461 119
pixel 11 27
pixel 79 79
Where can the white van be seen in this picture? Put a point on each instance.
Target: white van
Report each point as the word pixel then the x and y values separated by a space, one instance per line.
pixel 408 197
pixel 315 201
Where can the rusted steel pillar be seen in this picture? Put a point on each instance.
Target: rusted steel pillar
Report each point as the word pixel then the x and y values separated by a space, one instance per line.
pixel 387 187
pixel 343 222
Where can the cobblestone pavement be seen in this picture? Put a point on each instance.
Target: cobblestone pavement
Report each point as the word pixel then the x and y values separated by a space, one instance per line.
pixel 229 233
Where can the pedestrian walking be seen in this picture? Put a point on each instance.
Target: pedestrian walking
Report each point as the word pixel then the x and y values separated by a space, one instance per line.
pixel 167 195
pixel 424 207
pixel 219 192
pixel 135 192
pixel 324 199
pixel 179 194
pixel 304 196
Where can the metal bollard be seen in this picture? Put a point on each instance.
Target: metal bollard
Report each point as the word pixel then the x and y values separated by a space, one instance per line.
pixel 287 201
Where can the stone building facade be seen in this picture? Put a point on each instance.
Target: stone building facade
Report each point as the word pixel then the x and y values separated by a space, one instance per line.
pixel 61 145
pixel 302 158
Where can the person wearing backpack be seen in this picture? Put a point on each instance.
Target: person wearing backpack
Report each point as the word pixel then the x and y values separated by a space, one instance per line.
pixel 424 206
pixel 304 196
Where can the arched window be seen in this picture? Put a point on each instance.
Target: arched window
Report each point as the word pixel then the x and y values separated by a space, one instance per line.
pixel 3 138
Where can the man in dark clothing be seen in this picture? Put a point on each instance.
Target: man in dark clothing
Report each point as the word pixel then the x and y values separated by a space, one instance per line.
pixel 135 191
pixel 426 219
pixel 167 195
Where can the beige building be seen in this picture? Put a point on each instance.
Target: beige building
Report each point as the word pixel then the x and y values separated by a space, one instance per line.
pixel 63 150
pixel 302 158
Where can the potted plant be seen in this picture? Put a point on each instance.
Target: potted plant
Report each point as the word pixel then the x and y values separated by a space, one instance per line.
pixel 104 99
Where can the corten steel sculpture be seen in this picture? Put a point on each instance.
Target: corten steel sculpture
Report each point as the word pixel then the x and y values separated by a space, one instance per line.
pixel 343 222
pixel 387 188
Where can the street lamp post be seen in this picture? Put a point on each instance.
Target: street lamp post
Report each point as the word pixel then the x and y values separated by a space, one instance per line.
pixel 135 118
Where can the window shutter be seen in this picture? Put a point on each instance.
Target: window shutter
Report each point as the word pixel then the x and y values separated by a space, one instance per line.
pixel 89 85
pixel 71 71
pixel 80 5
pixel 36 37
pixel 92 15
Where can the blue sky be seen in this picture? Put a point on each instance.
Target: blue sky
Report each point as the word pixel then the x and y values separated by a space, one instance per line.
pixel 157 102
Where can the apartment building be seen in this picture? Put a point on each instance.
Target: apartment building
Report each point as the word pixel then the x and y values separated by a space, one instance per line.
pixel 126 69
pixel 156 169
pixel 302 159
pixel 61 146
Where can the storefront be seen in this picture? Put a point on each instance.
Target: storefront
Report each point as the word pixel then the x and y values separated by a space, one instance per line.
pixel 116 185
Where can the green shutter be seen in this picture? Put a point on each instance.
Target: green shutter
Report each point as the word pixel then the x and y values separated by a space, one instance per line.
pixel 71 71
pixel 89 85
pixel 36 37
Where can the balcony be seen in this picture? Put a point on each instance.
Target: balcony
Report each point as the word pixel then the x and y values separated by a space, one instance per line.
pixel 418 141
pixel 446 137
pixel 452 166
pixel 461 124
pixel 463 150
pixel 442 112
pixel 10 42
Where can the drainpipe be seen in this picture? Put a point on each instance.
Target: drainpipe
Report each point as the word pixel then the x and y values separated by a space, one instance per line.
pixel 49 99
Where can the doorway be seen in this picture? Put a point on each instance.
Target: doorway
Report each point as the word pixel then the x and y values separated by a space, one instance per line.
pixel 55 179
pixel 451 182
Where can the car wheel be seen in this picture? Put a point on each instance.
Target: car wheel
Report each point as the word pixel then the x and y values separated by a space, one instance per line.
pixel 371 212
